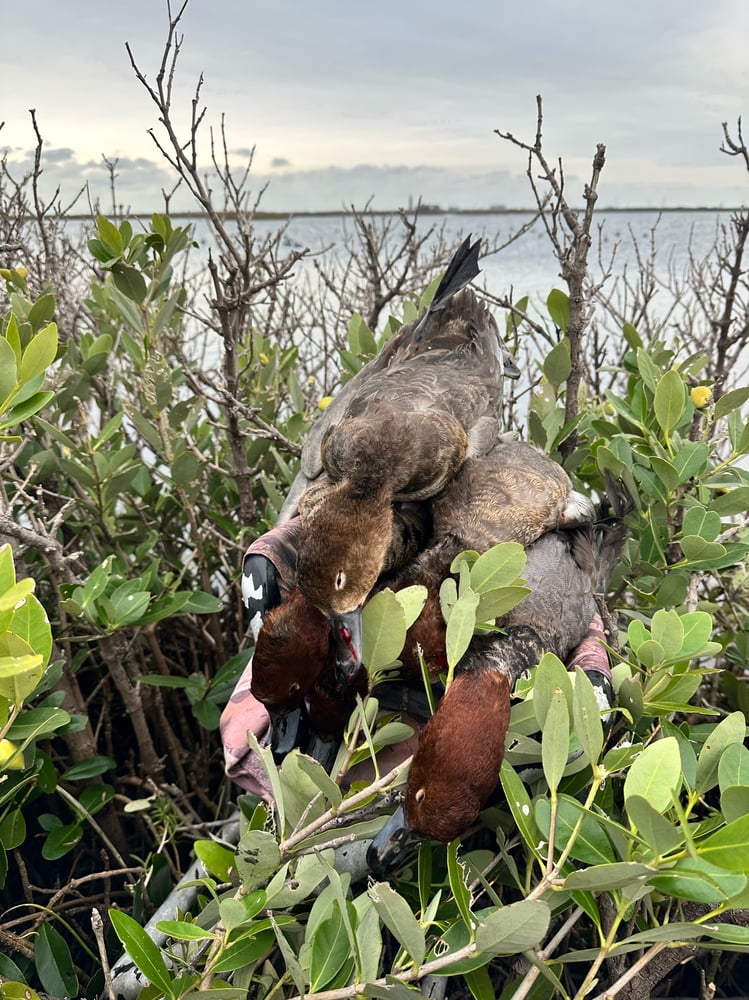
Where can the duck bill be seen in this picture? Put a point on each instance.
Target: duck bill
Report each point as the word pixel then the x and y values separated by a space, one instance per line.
pixel 288 729
pixel 347 629
pixel 395 842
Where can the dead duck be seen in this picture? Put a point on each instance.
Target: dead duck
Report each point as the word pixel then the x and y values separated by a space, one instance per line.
pixel 296 649
pixel 456 764
pixel 515 493
pixel 399 432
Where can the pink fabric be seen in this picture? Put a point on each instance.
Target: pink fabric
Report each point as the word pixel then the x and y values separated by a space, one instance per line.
pixel 591 653
pixel 243 713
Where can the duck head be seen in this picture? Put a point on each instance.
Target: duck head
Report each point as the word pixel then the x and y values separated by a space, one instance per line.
pixel 455 767
pixel 343 550
pixel 291 652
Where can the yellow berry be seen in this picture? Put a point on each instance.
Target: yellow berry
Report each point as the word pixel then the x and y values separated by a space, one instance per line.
pixel 608 409
pixel 325 402
pixel 21 272
pixel 9 759
pixel 701 396
pixel 263 358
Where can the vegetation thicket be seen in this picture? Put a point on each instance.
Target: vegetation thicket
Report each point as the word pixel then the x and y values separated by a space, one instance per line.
pixel 151 416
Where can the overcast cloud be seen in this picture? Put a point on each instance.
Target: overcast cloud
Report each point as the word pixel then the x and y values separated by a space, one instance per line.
pixel 345 102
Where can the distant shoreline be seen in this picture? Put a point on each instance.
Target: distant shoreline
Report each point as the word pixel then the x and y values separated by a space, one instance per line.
pixel 428 211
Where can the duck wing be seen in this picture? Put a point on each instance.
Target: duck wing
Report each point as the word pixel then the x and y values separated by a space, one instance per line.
pixel 514 493
pixel 449 359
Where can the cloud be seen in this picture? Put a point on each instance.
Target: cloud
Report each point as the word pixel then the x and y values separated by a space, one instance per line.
pixel 280 161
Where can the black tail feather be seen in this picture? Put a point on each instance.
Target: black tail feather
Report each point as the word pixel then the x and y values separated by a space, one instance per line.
pixel 462 268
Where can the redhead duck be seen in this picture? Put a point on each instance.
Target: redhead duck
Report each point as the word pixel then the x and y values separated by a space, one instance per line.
pixel 295 648
pixel 514 493
pixel 460 750
pixel 398 431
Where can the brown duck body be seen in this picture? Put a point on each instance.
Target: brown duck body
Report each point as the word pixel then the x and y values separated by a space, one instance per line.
pixel 456 765
pixel 400 434
pixel 513 494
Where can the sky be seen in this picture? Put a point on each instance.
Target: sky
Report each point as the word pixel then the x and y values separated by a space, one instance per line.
pixel 347 103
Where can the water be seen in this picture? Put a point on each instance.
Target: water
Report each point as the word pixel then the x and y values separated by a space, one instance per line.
pixel 527 266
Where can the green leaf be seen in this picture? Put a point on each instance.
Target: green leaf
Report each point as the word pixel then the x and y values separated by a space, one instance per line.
pixel 181 930
pixel 520 806
pixel 696 549
pixel 39 354
pixel 729 731
pixel 699 881
pixel 499 566
pixel 551 675
pixel 54 963
pixel 19 675
pixel 733 768
pixel 37 722
pixel 734 802
pixel 460 626
pixel 591 844
pixel 480 984
pixel 496 603
pixel 558 304
pixel 236 912
pixel 702 522
pixel 557 364
pixel 383 630
pixel 143 951
pixel 88 768
pixel 27 408
pixel 659 834
pixel 110 235
pixel 669 401
pixel 729 847
pixel 330 951
pixel 257 857
pixel 202 603
pixel 244 952
pixel 129 281
pixel 12 831
pixel 730 401
pixel 514 928
pixel 604 877
pixel 666 472
pixel 667 629
pixel 8 378
pixel 456 872
pixel 691 459
pixel 396 914
pixel 555 742
pixel 412 600
pixel 648 369
pixel 733 501
pixel 321 779
pixel 61 840
pixel 698 627
pixel 655 774
pixel 586 715
pixel 218 859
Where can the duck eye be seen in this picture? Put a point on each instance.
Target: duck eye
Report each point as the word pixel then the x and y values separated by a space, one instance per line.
pixel 420 795
pixel 340 580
